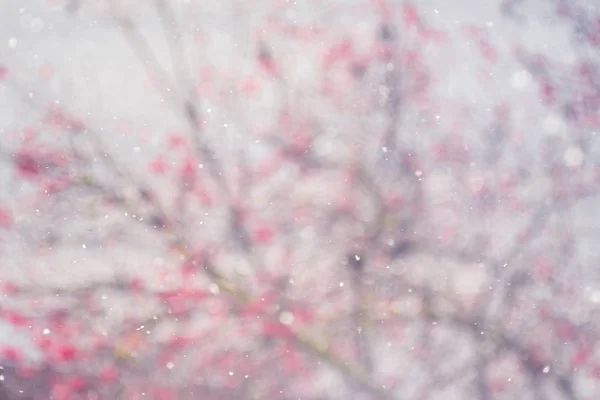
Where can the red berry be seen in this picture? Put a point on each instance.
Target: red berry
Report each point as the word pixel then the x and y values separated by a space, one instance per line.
pixel 26 165
pixel 66 352
pixel 136 285
pixel 263 235
pixel 77 383
pixel 10 353
pixel 108 374
pixel 158 166
pixel 9 288
pixel 14 318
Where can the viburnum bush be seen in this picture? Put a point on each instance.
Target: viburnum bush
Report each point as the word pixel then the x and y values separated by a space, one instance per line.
pixel 300 200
